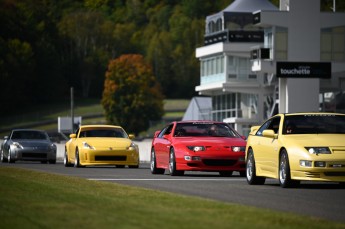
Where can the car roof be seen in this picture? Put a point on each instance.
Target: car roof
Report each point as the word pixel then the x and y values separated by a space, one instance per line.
pixel 28 130
pixel 198 121
pixel 310 113
pixel 100 126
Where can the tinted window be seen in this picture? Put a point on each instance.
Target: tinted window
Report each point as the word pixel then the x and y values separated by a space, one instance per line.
pixel 193 129
pixel 165 131
pixel 272 124
pixel 314 124
pixel 110 133
pixel 31 135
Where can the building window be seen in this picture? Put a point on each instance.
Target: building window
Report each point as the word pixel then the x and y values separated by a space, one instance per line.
pixel 234 105
pixel 333 44
pixel 212 66
pixel 281 43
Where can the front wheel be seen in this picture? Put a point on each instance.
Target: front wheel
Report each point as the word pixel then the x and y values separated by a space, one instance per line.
pixel 153 164
pixel 172 165
pixel 65 160
pixel 252 179
pixel 285 180
pixel 9 157
pixel 77 159
pixel 3 159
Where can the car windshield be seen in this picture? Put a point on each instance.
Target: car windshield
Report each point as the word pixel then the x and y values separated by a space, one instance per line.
pixel 204 130
pixel 110 133
pixel 314 124
pixel 29 135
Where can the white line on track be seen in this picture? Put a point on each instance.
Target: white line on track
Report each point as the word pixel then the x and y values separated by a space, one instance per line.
pixel 144 179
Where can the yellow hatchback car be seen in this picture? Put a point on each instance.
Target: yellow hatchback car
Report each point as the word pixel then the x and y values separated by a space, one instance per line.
pixel 295 147
pixel 101 145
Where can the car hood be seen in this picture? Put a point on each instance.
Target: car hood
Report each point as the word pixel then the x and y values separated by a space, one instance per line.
pixel 107 142
pixel 30 143
pixel 211 141
pixel 332 140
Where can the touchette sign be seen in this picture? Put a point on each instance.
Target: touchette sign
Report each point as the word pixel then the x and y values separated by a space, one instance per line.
pixel 304 70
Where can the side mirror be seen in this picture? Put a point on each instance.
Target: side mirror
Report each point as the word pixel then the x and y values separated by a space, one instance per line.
pixel 72 135
pixel 131 136
pixel 269 134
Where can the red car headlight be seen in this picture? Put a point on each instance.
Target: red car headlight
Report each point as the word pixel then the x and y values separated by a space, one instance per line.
pixel 238 148
pixel 196 148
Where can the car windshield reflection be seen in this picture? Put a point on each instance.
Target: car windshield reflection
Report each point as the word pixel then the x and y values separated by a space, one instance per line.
pixel 314 124
pixel 111 133
pixel 204 130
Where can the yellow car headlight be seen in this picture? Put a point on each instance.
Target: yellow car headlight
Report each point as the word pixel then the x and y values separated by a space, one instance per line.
pixel 318 150
pixel 87 146
pixel 132 146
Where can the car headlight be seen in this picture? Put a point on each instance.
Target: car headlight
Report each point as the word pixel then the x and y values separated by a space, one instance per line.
pixel 53 146
pixel 87 146
pixel 132 146
pixel 238 148
pixel 196 148
pixel 318 150
pixel 17 145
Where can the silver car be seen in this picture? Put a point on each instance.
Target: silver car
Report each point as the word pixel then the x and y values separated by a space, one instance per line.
pixel 28 145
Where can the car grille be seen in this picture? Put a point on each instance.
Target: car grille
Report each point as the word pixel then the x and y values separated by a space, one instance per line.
pixel 34 155
pixel 213 162
pixel 110 158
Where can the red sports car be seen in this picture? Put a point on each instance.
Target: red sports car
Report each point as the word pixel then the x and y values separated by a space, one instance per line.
pixel 198 146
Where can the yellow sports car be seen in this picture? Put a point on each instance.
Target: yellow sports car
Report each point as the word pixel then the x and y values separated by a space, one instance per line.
pixel 297 146
pixel 101 145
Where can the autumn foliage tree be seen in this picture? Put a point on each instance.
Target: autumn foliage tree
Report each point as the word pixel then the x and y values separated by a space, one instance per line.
pixel 132 96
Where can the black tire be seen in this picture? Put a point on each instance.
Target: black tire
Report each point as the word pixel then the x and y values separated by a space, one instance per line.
pixel 172 165
pixel 65 160
pixel 285 180
pixel 77 159
pixel 3 159
pixel 225 173
pixel 252 179
pixel 153 164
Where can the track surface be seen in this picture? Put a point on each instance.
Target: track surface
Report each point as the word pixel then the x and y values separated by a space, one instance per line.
pixel 322 200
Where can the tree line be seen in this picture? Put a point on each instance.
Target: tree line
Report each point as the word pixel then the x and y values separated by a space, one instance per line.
pixel 48 46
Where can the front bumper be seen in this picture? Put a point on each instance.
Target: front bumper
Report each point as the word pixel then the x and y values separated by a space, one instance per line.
pixel 207 163
pixel 109 157
pixel 33 154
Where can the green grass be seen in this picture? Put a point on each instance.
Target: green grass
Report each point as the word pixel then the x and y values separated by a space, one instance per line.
pixel 30 199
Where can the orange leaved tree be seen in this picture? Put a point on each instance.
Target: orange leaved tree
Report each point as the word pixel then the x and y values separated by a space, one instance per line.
pixel 132 96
